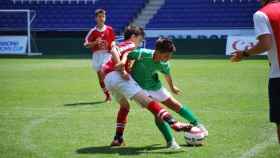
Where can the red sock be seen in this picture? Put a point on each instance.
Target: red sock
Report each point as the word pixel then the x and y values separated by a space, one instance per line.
pixel 102 84
pixel 121 121
pixel 106 92
pixel 158 111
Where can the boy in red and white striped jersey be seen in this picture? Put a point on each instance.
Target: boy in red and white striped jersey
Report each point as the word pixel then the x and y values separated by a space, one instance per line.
pixel 100 40
pixel 267 27
pixel 124 87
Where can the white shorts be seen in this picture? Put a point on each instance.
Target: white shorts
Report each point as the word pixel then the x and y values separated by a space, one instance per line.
pixel 158 95
pixel 120 87
pixel 100 58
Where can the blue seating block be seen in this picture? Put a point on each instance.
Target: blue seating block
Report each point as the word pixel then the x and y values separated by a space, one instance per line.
pixel 204 14
pixel 73 16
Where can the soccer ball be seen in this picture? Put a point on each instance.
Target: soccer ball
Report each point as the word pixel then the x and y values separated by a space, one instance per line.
pixel 195 137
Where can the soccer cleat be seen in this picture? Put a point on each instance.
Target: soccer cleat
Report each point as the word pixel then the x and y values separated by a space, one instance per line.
pixel 202 128
pixel 179 126
pixel 173 145
pixel 117 142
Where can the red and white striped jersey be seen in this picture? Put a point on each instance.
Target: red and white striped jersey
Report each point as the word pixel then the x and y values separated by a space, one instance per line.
pixel 267 21
pixel 124 47
pixel 106 35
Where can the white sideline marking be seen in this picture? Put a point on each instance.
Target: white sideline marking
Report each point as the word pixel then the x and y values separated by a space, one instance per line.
pixel 26 135
pixel 259 148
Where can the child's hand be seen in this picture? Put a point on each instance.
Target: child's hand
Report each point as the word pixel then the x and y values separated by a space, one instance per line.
pixel 120 66
pixel 236 56
pixel 125 75
pixel 175 90
pixel 130 64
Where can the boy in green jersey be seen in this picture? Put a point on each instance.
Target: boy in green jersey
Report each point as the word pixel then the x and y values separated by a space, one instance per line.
pixel 144 67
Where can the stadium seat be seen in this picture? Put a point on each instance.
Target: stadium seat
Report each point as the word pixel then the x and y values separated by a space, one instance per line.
pixel 204 14
pixel 75 16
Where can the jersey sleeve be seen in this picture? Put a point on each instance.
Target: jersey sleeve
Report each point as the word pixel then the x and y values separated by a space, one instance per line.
pixel 261 24
pixel 89 37
pixel 165 68
pixel 113 36
pixel 135 54
pixel 126 49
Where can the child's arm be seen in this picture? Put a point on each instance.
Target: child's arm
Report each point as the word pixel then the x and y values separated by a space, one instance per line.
pixel 124 57
pixel 128 55
pixel 90 44
pixel 128 59
pixel 115 54
pixel 123 61
pixel 171 85
pixel 119 65
pixel 130 63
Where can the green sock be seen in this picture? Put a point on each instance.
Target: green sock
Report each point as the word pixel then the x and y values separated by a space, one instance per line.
pixel 165 130
pixel 186 113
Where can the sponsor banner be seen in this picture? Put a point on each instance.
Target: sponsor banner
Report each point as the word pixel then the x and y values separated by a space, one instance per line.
pixel 13 44
pixel 199 34
pixel 235 43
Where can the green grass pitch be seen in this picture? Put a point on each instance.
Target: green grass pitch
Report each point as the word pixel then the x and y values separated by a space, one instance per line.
pixel 51 108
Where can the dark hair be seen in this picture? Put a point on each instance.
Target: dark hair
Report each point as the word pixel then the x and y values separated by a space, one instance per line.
pixel 165 45
pixel 265 2
pixel 133 30
pixel 99 11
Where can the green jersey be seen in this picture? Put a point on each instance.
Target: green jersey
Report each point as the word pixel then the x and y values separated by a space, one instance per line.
pixel 145 69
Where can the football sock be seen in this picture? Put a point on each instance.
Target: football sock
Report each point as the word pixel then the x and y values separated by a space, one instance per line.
pixel 160 112
pixel 107 93
pixel 121 122
pixel 187 114
pixel 164 129
pixel 102 84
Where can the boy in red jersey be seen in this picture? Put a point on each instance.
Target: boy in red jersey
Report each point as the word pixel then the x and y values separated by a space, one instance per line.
pixel 100 40
pixel 123 86
pixel 267 28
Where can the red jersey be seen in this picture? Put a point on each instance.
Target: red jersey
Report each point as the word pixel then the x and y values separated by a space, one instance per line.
pixel 106 35
pixel 124 47
pixel 267 21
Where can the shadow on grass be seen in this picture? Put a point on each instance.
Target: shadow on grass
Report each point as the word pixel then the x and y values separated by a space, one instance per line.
pixel 191 146
pixel 85 103
pixel 155 148
pixel 57 56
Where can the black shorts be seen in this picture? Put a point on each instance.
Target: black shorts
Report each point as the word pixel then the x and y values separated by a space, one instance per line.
pixel 274 100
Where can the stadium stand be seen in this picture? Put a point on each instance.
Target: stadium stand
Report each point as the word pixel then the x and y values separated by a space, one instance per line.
pixel 78 15
pixel 186 14
pixel 54 15
pixel 73 18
